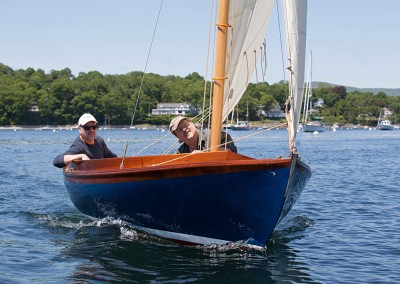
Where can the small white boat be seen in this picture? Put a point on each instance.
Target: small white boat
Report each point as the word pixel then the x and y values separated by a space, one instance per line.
pixel 384 124
pixel 310 125
pixel 241 125
pixel 313 126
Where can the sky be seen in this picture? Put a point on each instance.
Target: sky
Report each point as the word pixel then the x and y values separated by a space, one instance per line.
pixel 354 43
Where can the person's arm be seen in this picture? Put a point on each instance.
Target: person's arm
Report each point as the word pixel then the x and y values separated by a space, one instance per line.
pixel 69 158
pixel 64 159
pixel 75 152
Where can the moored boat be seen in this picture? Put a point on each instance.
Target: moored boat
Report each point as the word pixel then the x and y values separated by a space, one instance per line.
pixel 384 124
pixel 313 126
pixel 309 123
pixel 241 125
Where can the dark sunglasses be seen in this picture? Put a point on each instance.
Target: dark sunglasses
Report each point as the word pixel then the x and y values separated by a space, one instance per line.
pixel 94 127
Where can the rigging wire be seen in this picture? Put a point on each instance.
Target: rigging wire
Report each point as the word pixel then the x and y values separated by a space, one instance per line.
pixel 185 155
pixel 281 42
pixel 141 83
pixel 205 112
pixel 206 73
pixel 151 144
pixel 230 77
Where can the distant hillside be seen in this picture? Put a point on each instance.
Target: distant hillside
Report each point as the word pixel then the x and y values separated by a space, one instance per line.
pixel 388 91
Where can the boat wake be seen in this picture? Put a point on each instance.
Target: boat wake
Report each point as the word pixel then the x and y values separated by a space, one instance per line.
pixel 289 230
pixel 121 229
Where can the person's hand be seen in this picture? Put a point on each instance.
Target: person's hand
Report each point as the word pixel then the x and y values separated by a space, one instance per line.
pixel 84 157
pixel 77 159
pixel 81 157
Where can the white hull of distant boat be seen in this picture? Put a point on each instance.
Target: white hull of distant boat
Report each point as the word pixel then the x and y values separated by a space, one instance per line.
pixel 313 128
pixel 241 125
pixel 385 125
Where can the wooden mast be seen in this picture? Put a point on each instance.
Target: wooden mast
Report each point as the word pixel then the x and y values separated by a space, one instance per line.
pixel 219 75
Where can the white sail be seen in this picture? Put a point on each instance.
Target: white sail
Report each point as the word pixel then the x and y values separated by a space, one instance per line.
pixel 248 20
pixel 296 26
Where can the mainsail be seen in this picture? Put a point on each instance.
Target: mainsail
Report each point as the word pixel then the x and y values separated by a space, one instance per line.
pixel 248 20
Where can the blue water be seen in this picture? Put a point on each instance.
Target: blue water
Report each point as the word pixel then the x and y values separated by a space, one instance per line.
pixel 345 228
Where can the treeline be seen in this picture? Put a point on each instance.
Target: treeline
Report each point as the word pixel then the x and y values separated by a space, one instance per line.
pixel 32 97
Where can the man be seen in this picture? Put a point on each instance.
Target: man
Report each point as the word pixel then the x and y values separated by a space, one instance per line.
pixel 186 131
pixel 87 146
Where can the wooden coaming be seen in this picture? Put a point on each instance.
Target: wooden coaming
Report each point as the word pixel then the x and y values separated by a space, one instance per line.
pixel 167 166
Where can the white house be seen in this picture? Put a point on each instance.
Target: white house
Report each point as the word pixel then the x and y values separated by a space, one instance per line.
pixel 174 109
pixel 319 103
pixel 276 111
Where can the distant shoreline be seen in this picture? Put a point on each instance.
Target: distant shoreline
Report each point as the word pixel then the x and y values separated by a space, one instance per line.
pixel 255 125
pixel 138 126
pixel 71 127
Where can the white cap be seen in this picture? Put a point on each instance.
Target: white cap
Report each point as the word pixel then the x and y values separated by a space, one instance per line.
pixel 85 118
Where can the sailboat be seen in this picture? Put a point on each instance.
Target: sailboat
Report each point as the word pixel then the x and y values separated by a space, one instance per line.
pixel 309 124
pixel 241 124
pixel 107 126
pixel 384 124
pixel 213 197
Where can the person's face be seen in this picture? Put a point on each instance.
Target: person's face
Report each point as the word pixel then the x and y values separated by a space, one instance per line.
pixel 88 131
pixel 186 131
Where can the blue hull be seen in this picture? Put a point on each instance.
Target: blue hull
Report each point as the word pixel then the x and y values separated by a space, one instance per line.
pixel 200 209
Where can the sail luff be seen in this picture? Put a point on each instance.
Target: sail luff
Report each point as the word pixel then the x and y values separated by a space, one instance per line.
pixel 296 26
pixel 219 75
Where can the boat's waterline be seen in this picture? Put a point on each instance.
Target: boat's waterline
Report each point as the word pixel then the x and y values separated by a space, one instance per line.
pixel 185 239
